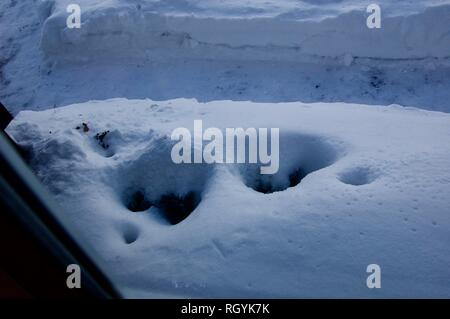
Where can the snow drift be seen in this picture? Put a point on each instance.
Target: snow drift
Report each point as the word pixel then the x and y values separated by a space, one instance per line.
pixel 133 30
pixel 375 190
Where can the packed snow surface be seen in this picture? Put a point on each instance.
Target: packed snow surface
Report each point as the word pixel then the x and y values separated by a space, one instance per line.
pixel 271 51
pixel 375 191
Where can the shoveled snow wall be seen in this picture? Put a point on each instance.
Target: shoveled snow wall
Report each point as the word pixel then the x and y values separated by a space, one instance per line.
pixel 127 30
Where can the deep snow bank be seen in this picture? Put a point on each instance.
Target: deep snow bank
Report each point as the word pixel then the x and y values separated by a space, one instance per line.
pixel 376 192
pixel 333 28
pixel 218 50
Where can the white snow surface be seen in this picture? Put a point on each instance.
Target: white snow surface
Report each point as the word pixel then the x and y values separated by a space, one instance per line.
pixel 376 192
pixel 262 51
pixel 412 29
pixel 343 96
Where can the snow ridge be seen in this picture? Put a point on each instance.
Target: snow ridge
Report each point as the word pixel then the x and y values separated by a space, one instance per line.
pixel 130 31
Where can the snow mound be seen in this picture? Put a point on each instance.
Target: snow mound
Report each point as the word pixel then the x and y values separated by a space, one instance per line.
pixel 357 185
pixel 130 29
pixel 318 51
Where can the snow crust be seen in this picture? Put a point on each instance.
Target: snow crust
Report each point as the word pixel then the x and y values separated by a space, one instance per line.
pixel 379 195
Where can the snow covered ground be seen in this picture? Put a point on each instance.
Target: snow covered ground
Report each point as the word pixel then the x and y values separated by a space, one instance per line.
pixel 310 51
pixel 376 192
pixel 367 123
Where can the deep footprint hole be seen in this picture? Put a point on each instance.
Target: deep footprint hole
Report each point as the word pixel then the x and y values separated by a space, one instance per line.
pixel 299 155
pixel 267 185
pixel 137 202
pixel 153 184
pixel 176 208
pixel 172 208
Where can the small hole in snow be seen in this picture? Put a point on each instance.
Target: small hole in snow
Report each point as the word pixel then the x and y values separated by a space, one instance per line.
pixel 130 233
pixel 358 176
pixel 108 142
pixel 101 138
